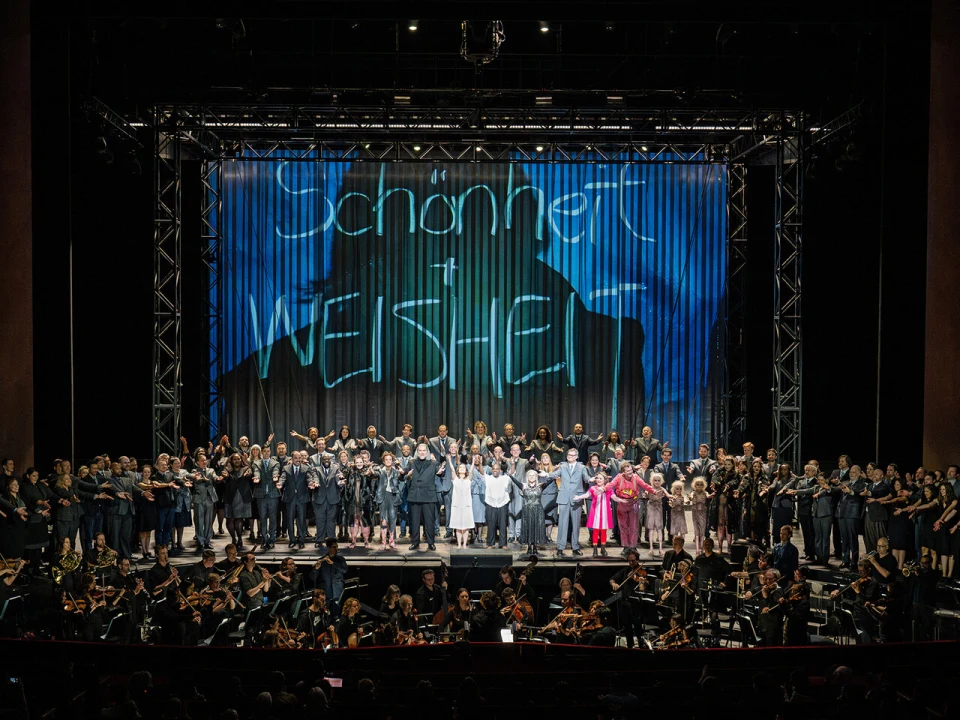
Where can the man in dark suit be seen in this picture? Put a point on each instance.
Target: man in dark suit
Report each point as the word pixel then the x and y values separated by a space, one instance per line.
pixel 422 497
pixel 325 496
pixel 372 444
pixel 440 444
pixel 671 472
pixel 293 483
pixel 850 511
pixel 282 460
pixel 582 443
pixel 824 502
pixel 267 495
pixel 444 483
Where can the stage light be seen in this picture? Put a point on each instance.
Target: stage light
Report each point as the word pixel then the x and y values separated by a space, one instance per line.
pixel 543 99
pixel 414 24
pixel 401 99
pixel 539 148
pixel 544 26
pixel 416 148
pixel 643 147
pixel 609 26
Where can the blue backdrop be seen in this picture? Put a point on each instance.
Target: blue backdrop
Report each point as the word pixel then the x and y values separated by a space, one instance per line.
pixel 381 293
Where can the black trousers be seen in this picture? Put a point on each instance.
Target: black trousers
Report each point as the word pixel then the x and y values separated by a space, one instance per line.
pixel 809 537
pixel 424 514
pixel 497 519
pixel 630 622
pixel 121 531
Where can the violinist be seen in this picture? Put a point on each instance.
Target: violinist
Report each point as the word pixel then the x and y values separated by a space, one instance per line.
pixel 328 573
pixel 487 622
pixel 229 568
pixel 625 582
pixel 317 622
pixel 88 607
pixel 679 590
pixel 672 558
pixel 564 627
pixel 865 591
pixel 458 616
pixel 514 609
pixel 407 622
pixel 599 631
pixel 796 610
pixel 179 619
pixel 521 586
pixel 215 603
pixel 676 635
pixel 129 596
pixel 770 619
pixel 278 635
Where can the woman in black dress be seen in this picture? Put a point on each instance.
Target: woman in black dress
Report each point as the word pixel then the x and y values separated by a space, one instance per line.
pixel 532 522
pixel 927 509
pixel 36 496
pixel 147 513
pixel 942 527
pixel 723 513
pixel 13 527
pixel 237 497
pixel 899 529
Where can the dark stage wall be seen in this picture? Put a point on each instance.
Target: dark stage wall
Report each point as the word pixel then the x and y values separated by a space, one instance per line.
pixel 941 431
pixel 16 236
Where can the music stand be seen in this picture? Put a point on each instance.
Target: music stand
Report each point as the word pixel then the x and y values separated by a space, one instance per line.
pixel 106 635
pixel 220 630
pixel 7 604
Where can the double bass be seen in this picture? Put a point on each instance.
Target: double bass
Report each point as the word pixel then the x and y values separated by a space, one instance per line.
pixel 445 605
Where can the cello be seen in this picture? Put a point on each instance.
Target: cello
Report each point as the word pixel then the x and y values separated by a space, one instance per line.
pixel 445 605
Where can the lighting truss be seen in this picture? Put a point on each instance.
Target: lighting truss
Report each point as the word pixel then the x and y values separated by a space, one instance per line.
pixel 787 295
pixel 445 132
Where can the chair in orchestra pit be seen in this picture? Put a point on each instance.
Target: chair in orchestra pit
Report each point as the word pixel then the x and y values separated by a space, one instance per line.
pixel 251 622
pixel 106 636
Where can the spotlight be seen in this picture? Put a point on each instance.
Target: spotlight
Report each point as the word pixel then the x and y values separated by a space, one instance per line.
pixel 544 26
pixel 643 147
pixel 539 148
pixel 608 26
pixel 416 148
pixel 414 24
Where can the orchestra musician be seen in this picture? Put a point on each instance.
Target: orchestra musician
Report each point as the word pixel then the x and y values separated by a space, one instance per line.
pixel 218 602
pixel 178 618
pixel 564 627
pixel 866 592
pixel 254 582
pixel 196 575
pixel 625 582
pixel 407 623
pixel 796 610
pixel 770 618
pixel 89 608
pixel 600 632
pixel 348 629
pixel 162 575
pixel 328 573
pixel 678 590
pixel 287 580
pixel 487 622
pixel 317 622
pixel 429 597
pixel 457 618
pixel 130 598
pixel 583 597
pixel 676 635
pixel 229 568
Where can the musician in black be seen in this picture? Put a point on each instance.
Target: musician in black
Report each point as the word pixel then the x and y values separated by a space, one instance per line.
pixel 196 575
pixel 287 581
pixel 429 598
pixel 487 621
pixel 562 628
pixel 678 590
pixel 407 622
pixel 179 622
pixel 624 583
pixel 522 585
pixel 129 597
pixel 583 597
pixel 254 582
pixel 315 619
pixel 457 618
pixel 711 572
pixel 230 563
pixel 606 635
pixel 890 612
pixel 162 575
pixel 349 631
pixel 922 593
pixel 218 603
pixel 796 609
pixel 865 590
pixel 770 610
pixel 671 558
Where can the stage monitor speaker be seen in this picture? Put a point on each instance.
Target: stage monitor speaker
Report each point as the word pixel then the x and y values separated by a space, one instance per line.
pixel 738 553
pixel 481 560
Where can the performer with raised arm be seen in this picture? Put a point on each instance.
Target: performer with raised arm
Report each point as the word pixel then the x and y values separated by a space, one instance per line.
pixel 573 481
pixel 422 497
pixel 580 442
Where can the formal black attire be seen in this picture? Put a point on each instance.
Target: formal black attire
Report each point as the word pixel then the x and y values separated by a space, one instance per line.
pixel 631 623
pixel 428 602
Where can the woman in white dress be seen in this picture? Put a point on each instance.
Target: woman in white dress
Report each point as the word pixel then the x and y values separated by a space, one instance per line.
pixel 461 516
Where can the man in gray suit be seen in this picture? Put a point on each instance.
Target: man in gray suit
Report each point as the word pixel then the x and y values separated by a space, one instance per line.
pixel 265 474
pixel 120 512
pixel 440 444
pixel 824 503
pixel 203 498
pixel 517 468
pixel 573 481
pixel 325 496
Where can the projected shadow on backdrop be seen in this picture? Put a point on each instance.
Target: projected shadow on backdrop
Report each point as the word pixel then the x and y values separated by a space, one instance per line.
pixel 364 293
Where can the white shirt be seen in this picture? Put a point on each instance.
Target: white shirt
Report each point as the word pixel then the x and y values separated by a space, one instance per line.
pixel 497 493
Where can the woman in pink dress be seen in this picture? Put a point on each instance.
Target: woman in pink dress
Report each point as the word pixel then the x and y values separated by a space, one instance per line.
pixel 600 518
pixel 626 494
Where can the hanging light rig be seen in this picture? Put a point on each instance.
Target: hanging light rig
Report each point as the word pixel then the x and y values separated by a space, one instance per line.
pixel 481 41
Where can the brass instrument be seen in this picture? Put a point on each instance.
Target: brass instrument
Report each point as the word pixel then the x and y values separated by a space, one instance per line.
pixel 69 561
pixel 105 558
pixel 231 577
pixel 910 569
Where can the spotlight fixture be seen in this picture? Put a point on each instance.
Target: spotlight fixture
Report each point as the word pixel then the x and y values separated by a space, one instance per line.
pixel 539 148
pixel 481 42
pixel 544 26
pixel 414 24
pixel 416 148
pixel 543 100
pixel 401 99
pixel 609 26
pixel 643 147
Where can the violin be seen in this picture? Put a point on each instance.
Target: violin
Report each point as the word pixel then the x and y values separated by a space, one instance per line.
pixel 519 610
pixel 288 639
pixel 72 606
